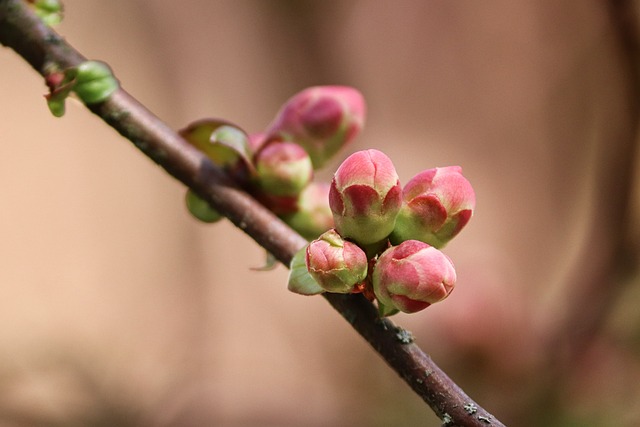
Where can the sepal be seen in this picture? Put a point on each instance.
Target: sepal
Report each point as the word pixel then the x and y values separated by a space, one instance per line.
pixel 300 281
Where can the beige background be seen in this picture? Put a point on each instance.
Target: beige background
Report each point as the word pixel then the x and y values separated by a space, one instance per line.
pixel 117 308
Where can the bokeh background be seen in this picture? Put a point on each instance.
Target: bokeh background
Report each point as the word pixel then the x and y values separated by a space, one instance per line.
pixel 117 308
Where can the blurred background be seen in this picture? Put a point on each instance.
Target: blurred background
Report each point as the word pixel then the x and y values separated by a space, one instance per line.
pixel 118 308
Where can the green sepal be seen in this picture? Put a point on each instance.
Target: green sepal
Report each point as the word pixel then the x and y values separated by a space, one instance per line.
pixel 300 281
pixel 386 310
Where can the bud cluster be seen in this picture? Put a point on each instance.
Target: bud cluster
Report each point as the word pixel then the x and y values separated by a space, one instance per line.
pixel 277 165
pixel 386 239
pixel 376 237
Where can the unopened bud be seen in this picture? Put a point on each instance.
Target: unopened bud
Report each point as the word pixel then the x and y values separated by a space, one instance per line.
pixel 283 169
pixel 365 197
pixel 412 276
pixel 337 265
pixel 313 216
pixel 321 119
pixel 437 204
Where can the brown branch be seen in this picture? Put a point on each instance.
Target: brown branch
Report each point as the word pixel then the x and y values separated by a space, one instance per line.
pixel 41 47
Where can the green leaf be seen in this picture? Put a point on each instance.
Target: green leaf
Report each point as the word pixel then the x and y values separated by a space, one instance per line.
pixel 234 139
pixel 300 281
pixel 56 106
pixel 200 209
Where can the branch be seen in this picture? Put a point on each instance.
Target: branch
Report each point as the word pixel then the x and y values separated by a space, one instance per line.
pixel 42 48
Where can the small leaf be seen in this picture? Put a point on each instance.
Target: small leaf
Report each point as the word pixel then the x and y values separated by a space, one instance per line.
pixel 300 281
pixel 200 209
pixel 56 106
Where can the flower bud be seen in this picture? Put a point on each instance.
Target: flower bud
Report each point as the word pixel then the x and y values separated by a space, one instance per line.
pixel 321 119
pixel 283 169
pixel 412 276
pixel 335 264
pixel 365 197
pixel 313 216
pixel 437 204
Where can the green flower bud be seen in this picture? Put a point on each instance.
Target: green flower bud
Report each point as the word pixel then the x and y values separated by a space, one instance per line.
pixel 313 215
pixel 283 169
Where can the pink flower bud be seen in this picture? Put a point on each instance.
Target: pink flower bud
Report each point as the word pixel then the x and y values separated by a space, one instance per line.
pixel 283 169
pixel 437 204
pixel 321 119
pixel 412 276
pixel 336 264
pixel 365 197
pixel 313 216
